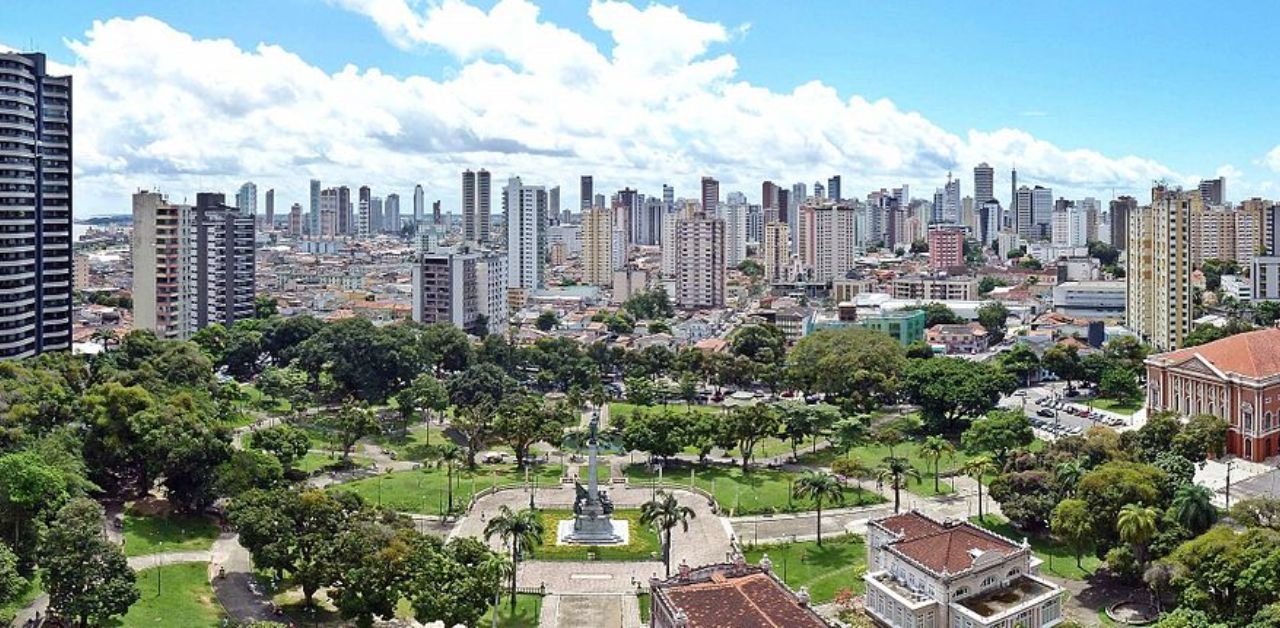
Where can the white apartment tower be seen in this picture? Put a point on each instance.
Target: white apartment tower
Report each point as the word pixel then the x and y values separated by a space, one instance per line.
pixel 700 276
pixel 526 210
pixel 1158 267
pixel 828 237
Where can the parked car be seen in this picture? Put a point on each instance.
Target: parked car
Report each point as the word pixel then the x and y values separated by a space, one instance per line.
pixel 1046 413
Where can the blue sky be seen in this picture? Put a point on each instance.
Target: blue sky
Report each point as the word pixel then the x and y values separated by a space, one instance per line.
pixel 1184 85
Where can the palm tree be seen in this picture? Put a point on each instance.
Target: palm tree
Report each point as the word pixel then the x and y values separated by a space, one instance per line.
pixel 936 447
pixel 1136 525
pixel 977 468
pixel 1193 508
pixel 106 337
pixel 895 471
pixel 665 513
pixel 449 455
pixel 819 487
pixel 521 531
pixel 1068 474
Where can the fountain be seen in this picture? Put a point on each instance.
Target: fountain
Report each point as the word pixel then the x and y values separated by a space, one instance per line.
pixel 591 523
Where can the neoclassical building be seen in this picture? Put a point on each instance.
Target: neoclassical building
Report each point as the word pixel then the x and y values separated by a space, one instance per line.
pixel 1236 378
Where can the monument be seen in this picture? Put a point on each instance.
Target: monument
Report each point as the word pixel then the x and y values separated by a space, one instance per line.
pixel 591 523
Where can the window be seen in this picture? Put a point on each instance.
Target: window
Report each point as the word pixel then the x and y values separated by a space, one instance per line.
pixel 1013 572
pixel 961 592
pixel 988 581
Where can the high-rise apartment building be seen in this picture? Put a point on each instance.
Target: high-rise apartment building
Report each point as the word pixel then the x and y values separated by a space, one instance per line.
pixel 586 192
pixel 951 201
pixel 1158 267
pixel 984 188
pixel 710 195
pixel 328 213
pixel 377 216
pixel 755 224
pixel 364 209
pixel 671 248
pixel 270 221
pixel 828 237
pixel 391 213
pixel 526 210
pixel 156 245
pixel 437 217
pixel 1213 191
pixel 946 248
pixel 247 197
pixel 700 276
pixel 313 210
pixel 217 264
pixel 1092 210
pixel 483 214
pixel 295 220
pixel 1227 233
pixel 833 188
pixel 464 287
pixel 1120 212
pixel 776 251
pixel 346 212
pixel 1068 225
pixel 419 206
pixel 470 230
pixel 597 246
pixel 626 214
pixel 36 208
pixel 1041 212
pixel 734 215
pixel 769 195
pixel 990 219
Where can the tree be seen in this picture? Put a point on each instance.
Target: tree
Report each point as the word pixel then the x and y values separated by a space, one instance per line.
pixel 1119 383
pixel 547 320
pixel 649 304
pixel 529 419
pixel 935 447
pixel 1266 313
pixel 999 433
pixel 350 423
pixel 665 512
pixel 11 582
pixel 895 471
pixel 1127 350
pixel 1021 362
pixel 1136 526
pixel 751 268
pixel 989 283
pixel 476 395
pixel 819 487
pixel 660 433
pixel 919 350
pixel 1072 522
pixel 521 531
pixel 449 455
pixel 1204 435
pixel 286 383
pixel 918 246
pixel 370 579
pixel 1257 512
pixel 1113 484
pixel 264 306
pixel 288 444
pixel 452 582
pixel 1205 333
pixel 1227 575
pixel 1214 269
pixel 1064 361
pixel 746 426
pixel 993 317
pixel 247 470
pixel 1103 252
pixel 939 314
pixel 978 468
pixel 31 491
pixel 761 342
pixel 701 430
pixel 1193 508
pixel 1026 498
pixel 425 394
pixel 861 368
pixel 86 576
pixel 948 390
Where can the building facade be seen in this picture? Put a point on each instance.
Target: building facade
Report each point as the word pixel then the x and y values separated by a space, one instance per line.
pixel 218 264
pixel 1236 379
pixel 931 289
pixel 465 288
pixel 1158 268
pixel 700 272
pixel 526 210
pixel 156 245
pixel 776 252
pixel 35 207
pixel 828 236
pixel 597 246
pixel 923 573
pixel 946 248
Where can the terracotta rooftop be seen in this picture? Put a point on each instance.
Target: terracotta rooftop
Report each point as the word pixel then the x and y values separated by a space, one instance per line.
pixel 728 600
pixel 910 525
pixel 1252 354
pixel 939 546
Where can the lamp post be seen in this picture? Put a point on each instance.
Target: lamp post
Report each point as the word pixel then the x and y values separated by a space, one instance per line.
pixel 1230 465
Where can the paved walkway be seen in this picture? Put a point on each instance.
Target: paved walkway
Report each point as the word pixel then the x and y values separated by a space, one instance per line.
pixel 590 611
pixel 236 588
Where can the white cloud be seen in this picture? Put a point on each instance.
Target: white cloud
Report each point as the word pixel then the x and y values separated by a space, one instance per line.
pixel 1272 159
pixel 157 107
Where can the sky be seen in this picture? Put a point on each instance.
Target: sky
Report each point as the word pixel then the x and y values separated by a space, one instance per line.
pixel 1090 98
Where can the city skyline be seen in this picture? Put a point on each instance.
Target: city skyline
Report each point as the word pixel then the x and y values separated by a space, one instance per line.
pixel 410 102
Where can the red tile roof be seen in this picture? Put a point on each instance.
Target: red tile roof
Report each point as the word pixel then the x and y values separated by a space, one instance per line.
pixel 1252 354
pixel 749 601
pixel 949 550
pixel 910 525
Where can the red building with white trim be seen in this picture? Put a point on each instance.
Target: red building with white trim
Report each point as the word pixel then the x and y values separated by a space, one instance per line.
pixel 1236 379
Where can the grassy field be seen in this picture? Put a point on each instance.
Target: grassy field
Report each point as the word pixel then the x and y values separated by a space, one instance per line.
pixel 758 492
pixel 315 461
pixel 424 491
pixel 643 601
pixel 873 455
pixel 643 546
pixel 528 608
pixel 838 564
pixel 1126 408
pixel 173 533
pixel 256 399
pixel 185 598
pixel 1058 558
pixel 414 445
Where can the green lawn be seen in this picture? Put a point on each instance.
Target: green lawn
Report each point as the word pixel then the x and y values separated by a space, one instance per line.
pixel 643 546
pixel 315 461
pixel 622 409
pixel 184 599
pixel 643 601
pixel 838 564
pixel 424 491
pixel 1126 408
pixel 873 455
pixel 258 400
pixel 1058 558
pixel 412 446
pixel 528 609
pixel 172 533
pixel 759 491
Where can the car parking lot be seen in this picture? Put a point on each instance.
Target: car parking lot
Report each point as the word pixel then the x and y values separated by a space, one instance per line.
pixel 1063 418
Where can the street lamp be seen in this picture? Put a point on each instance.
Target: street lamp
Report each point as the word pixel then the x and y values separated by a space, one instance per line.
pixel 1230 465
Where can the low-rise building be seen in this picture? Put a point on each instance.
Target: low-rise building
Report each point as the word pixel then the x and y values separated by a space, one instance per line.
pixel 906 326
pixel 953 574
pixel 936 289
pixel 1237 287
pixel 1266 278
pixel 1236 379
pixel 1090 299
pixel 729 595
pixel 968 338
